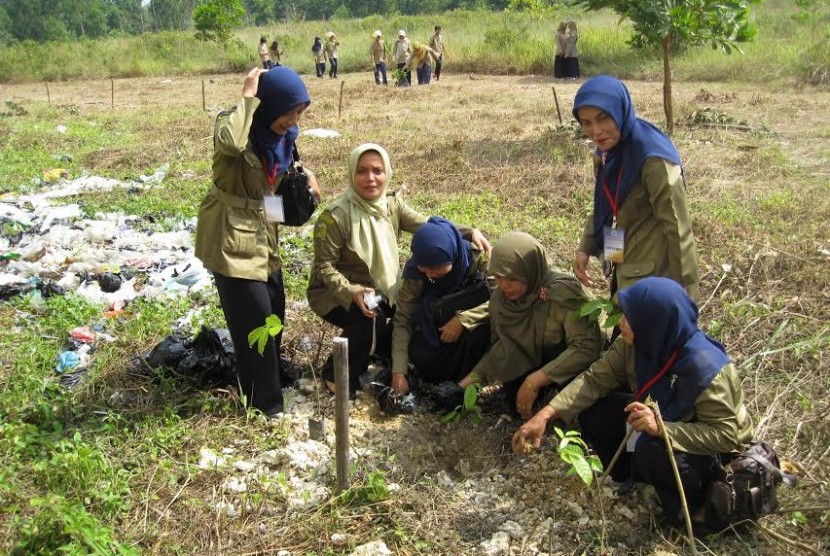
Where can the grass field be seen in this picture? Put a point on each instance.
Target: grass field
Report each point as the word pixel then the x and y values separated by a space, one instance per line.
pixel 112 466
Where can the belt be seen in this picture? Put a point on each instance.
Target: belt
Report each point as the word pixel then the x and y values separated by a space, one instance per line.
pixel 236 201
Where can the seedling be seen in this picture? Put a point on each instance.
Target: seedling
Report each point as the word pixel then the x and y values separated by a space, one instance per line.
pixel 575 452
pixel 468 408
pixel 596 308
pixel 261 334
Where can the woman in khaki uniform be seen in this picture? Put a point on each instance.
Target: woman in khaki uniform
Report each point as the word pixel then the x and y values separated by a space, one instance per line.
pixel 661 354
pixel 640 224
pixel 442 264
pixel 356 260
pixel 540 340
pixel 237 229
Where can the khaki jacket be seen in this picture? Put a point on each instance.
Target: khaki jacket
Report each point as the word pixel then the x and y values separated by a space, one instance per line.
pixel 658 229
pixel 337 272
pixel 436 42
pixel 377 51
pixel 232 235
pixel 407 306
pixel 401 51
pixel 719 422
pixel 570 345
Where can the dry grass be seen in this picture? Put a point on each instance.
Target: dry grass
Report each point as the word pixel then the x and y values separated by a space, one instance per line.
pixel 489 151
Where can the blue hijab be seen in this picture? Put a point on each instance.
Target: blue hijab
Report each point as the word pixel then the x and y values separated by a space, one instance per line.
pixel 280 91
pixel 664 319
pixel 639 140
pixel 318 44
pixel 436 243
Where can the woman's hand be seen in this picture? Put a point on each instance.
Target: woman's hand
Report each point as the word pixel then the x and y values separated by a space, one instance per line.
pixel 529 436
pixel 451 331
pixel 251 85
pixel 642 419
pixel 314 184
pixel 526 396
pixel 358 300
pixel 400 384
pixel 580 266
pixel 480 242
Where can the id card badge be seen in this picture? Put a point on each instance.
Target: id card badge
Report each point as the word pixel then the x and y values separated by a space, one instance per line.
pixel 632 440
pixel 274 211
pixel 613 244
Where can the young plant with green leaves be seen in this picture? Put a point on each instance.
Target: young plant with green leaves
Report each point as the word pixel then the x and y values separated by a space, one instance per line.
pixel 596 309
pixel 573 450
pixel 469 408
pixel 261 334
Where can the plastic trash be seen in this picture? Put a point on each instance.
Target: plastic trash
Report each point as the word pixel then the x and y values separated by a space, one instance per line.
pixel 109 282
pixel 208 358
pixel 83 334
pixel 67 361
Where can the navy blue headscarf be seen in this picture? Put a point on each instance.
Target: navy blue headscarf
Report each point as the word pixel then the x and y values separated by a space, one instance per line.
pixel 639 140
pixel 664 319
pixel 280 90
pixel 318 44
pixel 436 243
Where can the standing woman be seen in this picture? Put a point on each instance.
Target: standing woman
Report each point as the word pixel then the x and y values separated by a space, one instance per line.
pixel 561 48
pixel 332 42
pixel 237 232
pixel 571 58
pixel 540 339
pixel 442 264
pixel 276 52
pixel 319 56
pixel 640 224
pixel 264 55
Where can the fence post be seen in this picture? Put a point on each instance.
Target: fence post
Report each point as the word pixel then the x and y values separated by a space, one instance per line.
pixel 112 93
pixel 340 104
pixel 203 96
pixel 556 101
pixel 48 95
pixel 340 351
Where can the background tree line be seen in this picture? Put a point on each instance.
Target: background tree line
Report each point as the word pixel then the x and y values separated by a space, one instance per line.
pixel 66 20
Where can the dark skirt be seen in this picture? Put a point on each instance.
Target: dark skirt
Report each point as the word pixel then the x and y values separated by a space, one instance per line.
pixel 571 68
pixel 449 361
pixel 559 67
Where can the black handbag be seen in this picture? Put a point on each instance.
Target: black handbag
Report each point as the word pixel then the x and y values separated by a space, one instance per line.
pixel 298 198
pixel 473 292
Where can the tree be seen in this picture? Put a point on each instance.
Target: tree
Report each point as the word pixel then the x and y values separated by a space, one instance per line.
pixel 536 9
pixel 671 24
pixel 214 19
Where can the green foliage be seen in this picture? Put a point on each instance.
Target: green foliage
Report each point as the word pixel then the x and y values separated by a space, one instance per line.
pixel 370 490
pixel 214 19
pixel 537 9
pixel 575 452
pixel 595 309
pixel 261 334
pixel 469 408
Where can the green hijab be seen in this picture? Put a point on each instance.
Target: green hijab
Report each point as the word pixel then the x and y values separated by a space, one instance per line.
pixel 372 236
pixel 520 324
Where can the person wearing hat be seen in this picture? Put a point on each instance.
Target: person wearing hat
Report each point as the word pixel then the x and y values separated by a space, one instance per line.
pixel 377 52
pixel 237 232
pixel 402 52
pixel 331 53
pixel 264 54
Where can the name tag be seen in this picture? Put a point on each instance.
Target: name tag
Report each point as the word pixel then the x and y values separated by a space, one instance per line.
pixel 613 244
pixel 274 211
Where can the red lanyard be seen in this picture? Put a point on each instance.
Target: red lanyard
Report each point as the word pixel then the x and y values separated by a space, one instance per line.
pixel 611 200
pixel 656 377
pixel 271 173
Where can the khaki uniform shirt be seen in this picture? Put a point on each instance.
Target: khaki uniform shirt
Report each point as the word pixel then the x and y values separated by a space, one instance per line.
pixel 436 42
pixel 407 307
pixel 658 229
pixel 401 51
pixel 264 55
pixel 378 51
pixel 331 48
pixel 570 345
pixel 320 55
pixel 232 235
pixel 719 422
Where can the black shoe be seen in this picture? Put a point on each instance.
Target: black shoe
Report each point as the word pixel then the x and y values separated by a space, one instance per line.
pixel 392 403
pixel 449 394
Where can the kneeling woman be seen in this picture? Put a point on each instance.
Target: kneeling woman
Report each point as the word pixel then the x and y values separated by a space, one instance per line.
pixel 540 340
pixel 663 355
pixel 442 263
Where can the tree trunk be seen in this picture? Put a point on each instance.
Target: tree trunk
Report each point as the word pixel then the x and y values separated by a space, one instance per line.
pixel 667 106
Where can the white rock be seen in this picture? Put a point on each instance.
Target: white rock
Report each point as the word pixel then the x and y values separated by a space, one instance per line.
pixel 513 529
pixel 339 538
pixel 374 548
pixel 209 460
pixel 234 484
pixel 244 466
pixel 498 545
pixel 284 553
pixel 227 509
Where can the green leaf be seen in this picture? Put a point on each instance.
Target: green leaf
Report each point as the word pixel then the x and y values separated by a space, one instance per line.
pixel 583 469
pixel 448 417
pixel 470 396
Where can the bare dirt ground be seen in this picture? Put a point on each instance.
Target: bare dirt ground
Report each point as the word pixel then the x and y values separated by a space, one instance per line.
pixel 758 166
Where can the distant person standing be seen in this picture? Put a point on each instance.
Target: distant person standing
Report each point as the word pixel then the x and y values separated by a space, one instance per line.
pixel 571 53
pixel 402 52
pixel 276 52
pixel 436 42
pixel 264 55
pixel 319 56
pixel 421 54
pixel 332 43
pixel 377 51
pixel 561 48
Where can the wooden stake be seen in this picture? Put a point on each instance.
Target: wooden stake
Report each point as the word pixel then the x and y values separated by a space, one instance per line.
pixel 340 352
pixel 659 417
pixel 204 106
pixel 340 104
pixel 556 101
pixel 48 96
pixel 112 93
